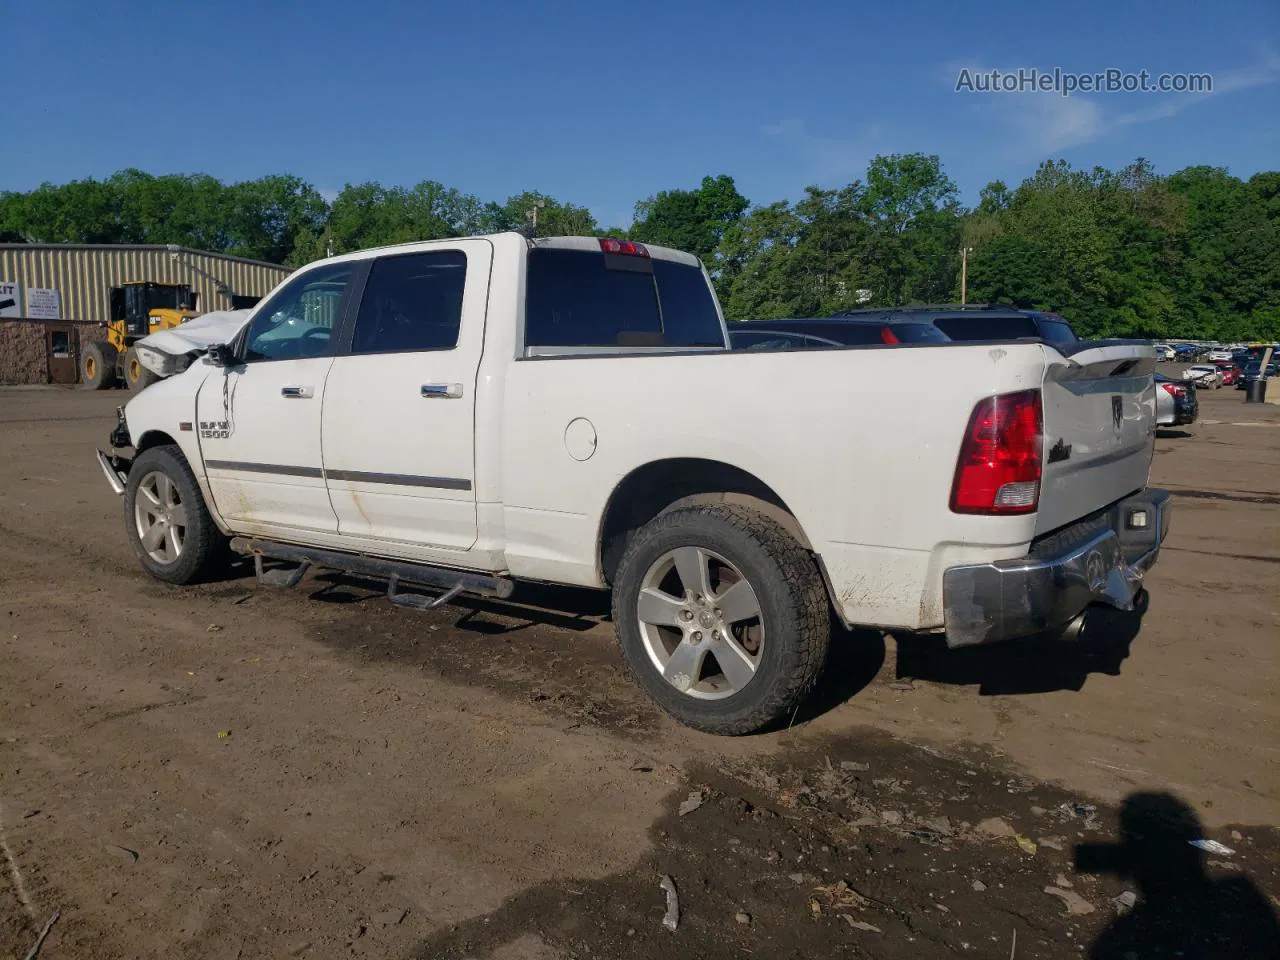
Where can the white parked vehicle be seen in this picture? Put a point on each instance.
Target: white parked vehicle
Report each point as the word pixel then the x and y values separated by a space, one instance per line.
pixel 1164 352
pixel 1219 353
pixel 464 414
pixel 1204 375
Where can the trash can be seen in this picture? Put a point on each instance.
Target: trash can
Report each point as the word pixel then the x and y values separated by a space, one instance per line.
pixel 1256 390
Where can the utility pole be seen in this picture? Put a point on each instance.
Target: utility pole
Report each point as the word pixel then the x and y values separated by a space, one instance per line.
pixel 964 274
pixel 532 214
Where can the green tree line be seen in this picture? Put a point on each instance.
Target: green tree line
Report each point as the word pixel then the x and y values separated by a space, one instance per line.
pixel 1129 252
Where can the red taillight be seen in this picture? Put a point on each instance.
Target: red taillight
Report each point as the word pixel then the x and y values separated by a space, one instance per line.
pixel 625 247
pixel 888 336
pixel 1174 390
pixel 998 471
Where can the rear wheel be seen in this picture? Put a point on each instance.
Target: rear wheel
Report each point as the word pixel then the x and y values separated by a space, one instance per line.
pixel 136 375
pixel 168 524
pixel 98 366
pixel 722 617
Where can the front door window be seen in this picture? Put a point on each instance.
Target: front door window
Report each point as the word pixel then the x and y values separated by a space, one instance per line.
pixel 298 321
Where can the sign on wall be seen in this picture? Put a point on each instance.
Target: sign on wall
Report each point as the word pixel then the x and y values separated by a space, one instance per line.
pixel 10 299
pixel 43 304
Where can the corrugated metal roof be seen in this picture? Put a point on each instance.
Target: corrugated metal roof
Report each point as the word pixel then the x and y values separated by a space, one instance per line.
pixel 166 247
pixel 83 274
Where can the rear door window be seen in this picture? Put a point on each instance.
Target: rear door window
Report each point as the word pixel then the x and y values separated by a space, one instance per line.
pixel 412 302
pixel 979 327
pixel 917 333
pixel 1057 331
pixel 578 298
pixel 771 340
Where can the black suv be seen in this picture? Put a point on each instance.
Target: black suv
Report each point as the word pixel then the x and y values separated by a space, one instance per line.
pixel 890 325
pixel 808 333
pixel 981 321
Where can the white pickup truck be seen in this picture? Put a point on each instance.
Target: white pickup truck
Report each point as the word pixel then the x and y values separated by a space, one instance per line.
pixel 459 415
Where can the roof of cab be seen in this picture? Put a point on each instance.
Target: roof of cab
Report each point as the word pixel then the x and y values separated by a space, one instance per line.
pixel 586 244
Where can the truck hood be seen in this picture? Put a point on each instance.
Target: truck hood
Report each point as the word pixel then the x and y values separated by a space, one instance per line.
pixel 219 326
pixel 170 351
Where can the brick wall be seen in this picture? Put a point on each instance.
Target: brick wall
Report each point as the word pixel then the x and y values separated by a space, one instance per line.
pixel 23 356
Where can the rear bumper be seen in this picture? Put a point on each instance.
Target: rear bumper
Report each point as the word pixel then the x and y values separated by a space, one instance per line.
pixel 1185 410
pixel 1097 560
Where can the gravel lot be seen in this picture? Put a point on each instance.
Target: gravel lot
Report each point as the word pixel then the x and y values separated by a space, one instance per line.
pixel 226 771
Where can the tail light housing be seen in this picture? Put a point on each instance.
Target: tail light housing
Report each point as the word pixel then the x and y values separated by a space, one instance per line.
pixel 1000 463
pixel 627 248
pixel 1176 390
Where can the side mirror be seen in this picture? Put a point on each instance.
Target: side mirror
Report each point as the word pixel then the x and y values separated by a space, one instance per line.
pixel 220 355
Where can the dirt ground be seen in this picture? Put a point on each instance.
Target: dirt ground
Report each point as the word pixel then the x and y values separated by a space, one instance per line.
pixel 230 771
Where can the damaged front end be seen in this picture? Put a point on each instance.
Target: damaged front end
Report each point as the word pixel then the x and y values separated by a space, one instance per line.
pixel 114 466
pixel 163 364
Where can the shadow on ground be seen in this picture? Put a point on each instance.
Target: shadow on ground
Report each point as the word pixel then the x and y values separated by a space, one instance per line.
pixel 1181 910
pixel 540 644
pixel 853 661
pixel 864 846
pixel 1043 664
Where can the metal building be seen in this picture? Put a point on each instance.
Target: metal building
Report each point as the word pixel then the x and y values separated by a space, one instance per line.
pixel 54 295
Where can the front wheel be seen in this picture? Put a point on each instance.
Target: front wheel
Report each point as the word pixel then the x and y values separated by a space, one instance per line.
pixel 721 616
pixel 168 524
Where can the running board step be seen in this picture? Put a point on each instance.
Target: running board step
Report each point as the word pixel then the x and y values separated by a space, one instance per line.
pixel 395 572
pixel 418 602
pixel 279 578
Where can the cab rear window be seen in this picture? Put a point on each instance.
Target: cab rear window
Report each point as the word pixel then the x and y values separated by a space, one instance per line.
pixel 578 298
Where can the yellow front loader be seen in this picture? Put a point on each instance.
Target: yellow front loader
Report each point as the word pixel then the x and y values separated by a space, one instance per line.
pixel 138 309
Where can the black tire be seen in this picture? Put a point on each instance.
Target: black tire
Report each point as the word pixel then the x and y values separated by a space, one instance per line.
pixel 98 365
pixel 793 609
pixel 136 375
pixel 203 544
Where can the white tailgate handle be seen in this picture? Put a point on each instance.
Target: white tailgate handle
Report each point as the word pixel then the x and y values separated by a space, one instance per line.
pixel 301 393
pixel 441 391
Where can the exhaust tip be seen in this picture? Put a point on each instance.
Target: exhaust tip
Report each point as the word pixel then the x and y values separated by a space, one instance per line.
pixel 1072 632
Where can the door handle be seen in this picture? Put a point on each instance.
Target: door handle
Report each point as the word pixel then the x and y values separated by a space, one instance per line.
pixel 303 393
pixel 441 391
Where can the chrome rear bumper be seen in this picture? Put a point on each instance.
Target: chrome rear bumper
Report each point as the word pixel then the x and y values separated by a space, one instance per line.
pixel 1106 563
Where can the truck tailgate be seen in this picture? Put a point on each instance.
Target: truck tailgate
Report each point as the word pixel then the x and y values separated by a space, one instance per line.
pixel 1099 428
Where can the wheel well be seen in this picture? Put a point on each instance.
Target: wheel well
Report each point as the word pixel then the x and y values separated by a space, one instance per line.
pixel 666 485
pixel 153 438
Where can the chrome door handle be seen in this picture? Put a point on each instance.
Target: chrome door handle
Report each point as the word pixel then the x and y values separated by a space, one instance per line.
pixel 441 391
pixel 304 393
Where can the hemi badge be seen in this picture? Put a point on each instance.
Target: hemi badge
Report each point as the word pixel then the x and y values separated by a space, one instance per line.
pixel 185 426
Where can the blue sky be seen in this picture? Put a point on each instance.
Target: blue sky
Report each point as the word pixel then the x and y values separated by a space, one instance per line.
pixel 605 103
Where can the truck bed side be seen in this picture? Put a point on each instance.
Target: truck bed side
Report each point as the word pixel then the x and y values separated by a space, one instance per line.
pixel 860 445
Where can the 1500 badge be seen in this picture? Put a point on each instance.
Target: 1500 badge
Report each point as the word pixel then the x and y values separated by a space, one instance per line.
pixel 215 429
